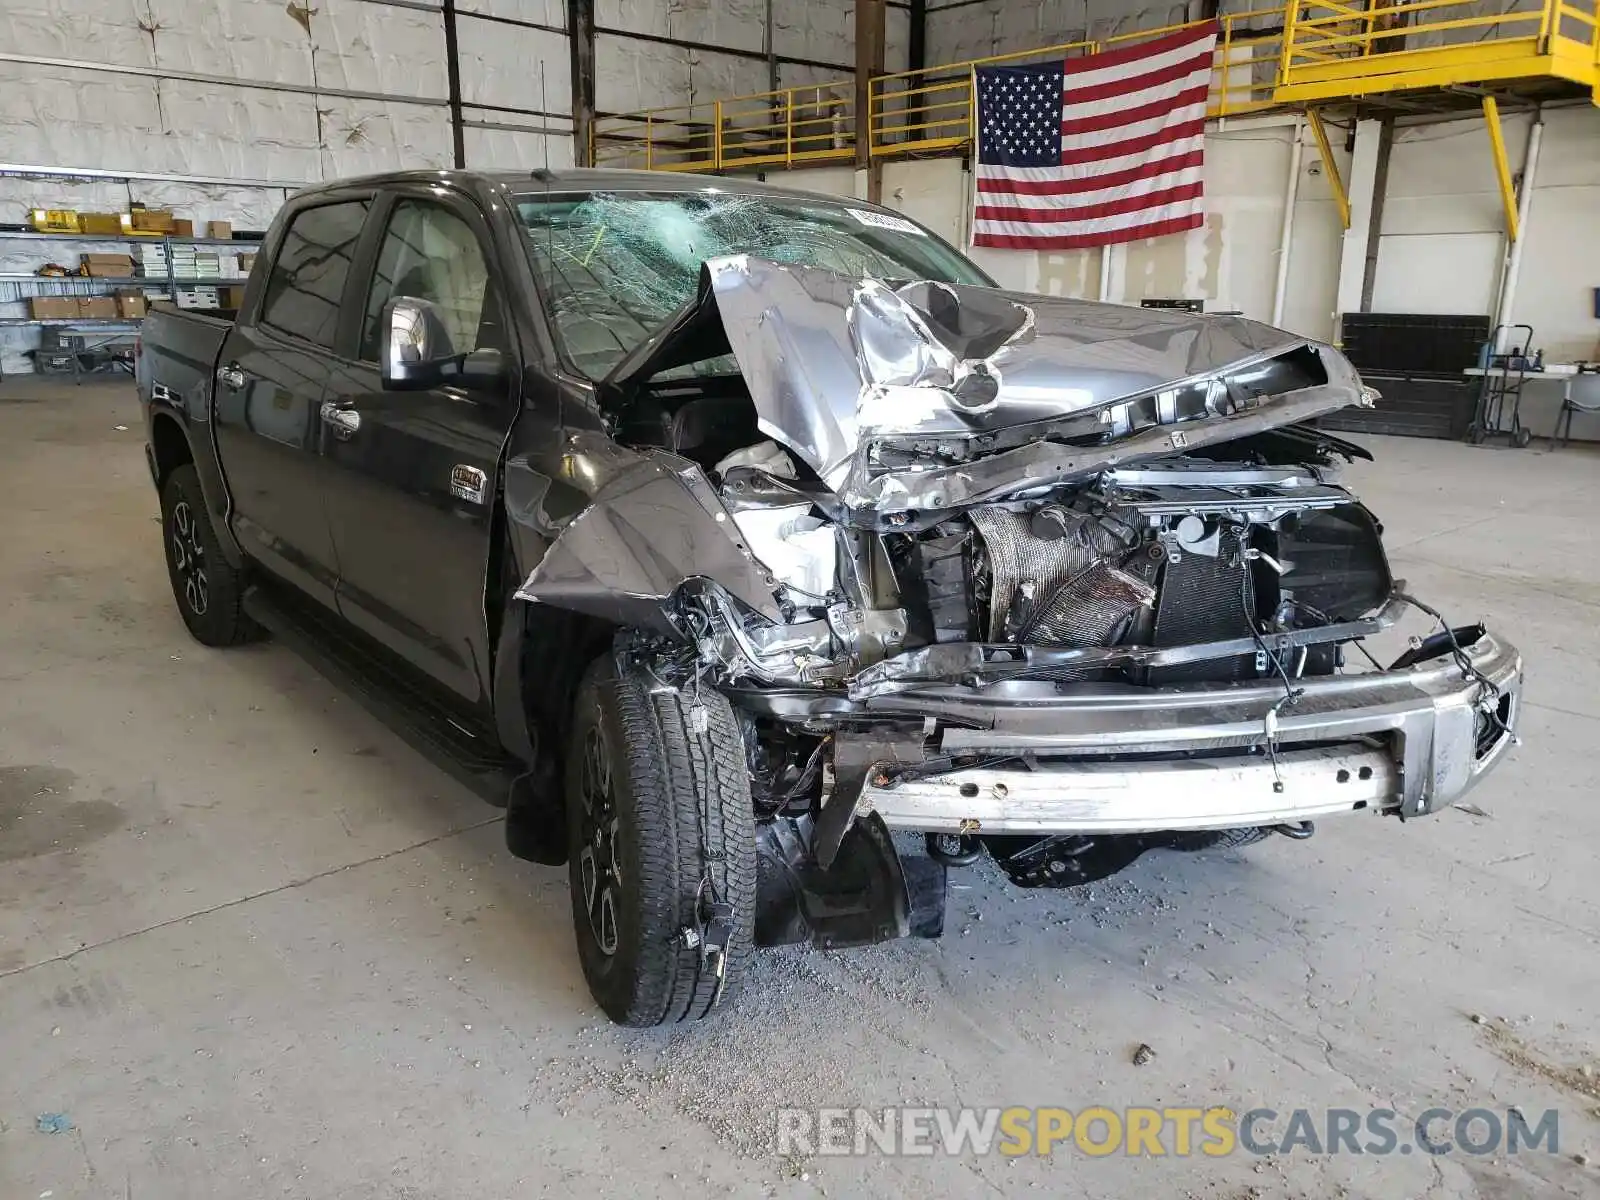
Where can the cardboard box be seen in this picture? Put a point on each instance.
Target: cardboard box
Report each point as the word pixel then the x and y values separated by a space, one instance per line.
pixel 131 304
pixel 98 308
pixel 182 227
pixel 148 220
pixel 108 266
pixel 230 297
pixel 109 224
pixel 247 263
pixel 50 307
pixel 220 229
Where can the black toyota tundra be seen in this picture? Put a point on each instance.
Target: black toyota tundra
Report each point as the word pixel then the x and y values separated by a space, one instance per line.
pixel 721 533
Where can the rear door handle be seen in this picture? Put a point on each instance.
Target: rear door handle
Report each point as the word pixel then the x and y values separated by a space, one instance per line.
pixel 231 376
pixel 345 421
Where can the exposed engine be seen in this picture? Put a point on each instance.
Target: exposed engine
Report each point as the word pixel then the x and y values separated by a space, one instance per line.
pixel 1184 553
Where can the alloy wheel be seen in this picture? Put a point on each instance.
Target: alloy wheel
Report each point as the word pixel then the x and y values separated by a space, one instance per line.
pixel 189 558
pixel 599 870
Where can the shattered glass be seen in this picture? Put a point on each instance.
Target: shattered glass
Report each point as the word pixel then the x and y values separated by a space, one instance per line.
pixel 615 266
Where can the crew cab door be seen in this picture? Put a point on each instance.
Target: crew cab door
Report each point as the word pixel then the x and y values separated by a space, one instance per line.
pixel 268 394
pixel 413 475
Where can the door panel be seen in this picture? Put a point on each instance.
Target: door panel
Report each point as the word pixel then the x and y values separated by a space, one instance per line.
pixel 269 440
pixel 269 387
pixel 412 476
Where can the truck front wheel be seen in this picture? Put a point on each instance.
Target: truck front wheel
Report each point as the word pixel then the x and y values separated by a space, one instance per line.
pixel 663 857
pixel 207 588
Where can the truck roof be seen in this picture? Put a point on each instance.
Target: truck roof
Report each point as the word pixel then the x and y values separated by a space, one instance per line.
pixel 585 179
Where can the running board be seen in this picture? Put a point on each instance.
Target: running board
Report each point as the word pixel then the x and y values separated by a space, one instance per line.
pixel 347 658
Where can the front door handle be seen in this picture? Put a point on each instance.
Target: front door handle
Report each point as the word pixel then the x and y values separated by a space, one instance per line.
pixel 345 421
pixel 231 376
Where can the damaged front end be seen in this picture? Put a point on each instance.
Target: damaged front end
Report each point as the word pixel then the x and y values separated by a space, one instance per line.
pixel 1063 579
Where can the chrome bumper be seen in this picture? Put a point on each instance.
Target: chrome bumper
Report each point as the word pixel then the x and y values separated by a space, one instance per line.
pixel 1407 742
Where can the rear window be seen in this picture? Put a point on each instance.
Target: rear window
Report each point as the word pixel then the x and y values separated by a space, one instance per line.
pixel 309 273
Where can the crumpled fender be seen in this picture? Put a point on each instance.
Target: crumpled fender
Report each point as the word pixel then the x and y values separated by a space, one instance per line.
pixel 650 529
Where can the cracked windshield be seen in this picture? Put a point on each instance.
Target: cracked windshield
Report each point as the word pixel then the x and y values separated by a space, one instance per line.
pixel 615 266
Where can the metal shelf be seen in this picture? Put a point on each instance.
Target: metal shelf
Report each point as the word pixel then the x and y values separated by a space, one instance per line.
pixel 101 321
pixel 130 239
pixel 153 280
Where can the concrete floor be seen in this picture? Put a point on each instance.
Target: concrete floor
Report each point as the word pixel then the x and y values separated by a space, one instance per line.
pixel 252 946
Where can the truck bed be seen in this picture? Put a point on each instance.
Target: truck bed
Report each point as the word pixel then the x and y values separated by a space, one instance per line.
pixel 179 346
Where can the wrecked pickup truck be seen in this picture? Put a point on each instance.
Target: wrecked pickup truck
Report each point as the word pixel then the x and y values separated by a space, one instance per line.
pixel 722 533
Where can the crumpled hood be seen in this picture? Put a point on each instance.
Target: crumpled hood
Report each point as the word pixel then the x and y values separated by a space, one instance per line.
pixel 838 367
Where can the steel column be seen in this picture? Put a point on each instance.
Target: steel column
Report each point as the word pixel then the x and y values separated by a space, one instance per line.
pixel 580 40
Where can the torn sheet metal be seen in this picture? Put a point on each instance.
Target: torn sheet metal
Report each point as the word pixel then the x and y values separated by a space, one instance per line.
pixel 650 529
pixel 840 368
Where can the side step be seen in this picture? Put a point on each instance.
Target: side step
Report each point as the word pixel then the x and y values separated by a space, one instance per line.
pixel 349 659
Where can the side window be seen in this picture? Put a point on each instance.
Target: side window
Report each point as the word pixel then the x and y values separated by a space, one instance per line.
pixel 429 253
pixel 309 274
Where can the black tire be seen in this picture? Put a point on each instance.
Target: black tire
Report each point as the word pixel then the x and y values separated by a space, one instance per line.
pixel 663 767
pixel 1220 839
pixel 207 588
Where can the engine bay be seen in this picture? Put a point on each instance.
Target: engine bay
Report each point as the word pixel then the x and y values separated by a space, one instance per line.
pixel 1129 578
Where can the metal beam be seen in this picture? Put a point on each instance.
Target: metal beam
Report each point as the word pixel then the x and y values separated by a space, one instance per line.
pixel 1341 198
pixel 1380 190
pixel 1291 194
pixel 661 39
pixel 1502 169
pixel 869 64
pixel 1530 171
pixel 452 72
pixel 303 89
pixel 146 176
pixel 516 21
pixel 917 37
pixel 580 38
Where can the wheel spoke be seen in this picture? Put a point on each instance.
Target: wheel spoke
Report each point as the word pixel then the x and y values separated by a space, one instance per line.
pixel 588 876
pixel 607 929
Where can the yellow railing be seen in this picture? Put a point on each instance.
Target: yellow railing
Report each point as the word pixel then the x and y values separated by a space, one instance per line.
pixel 1304 51
pixel 911 112
pixel 789 127
pixel 1335 49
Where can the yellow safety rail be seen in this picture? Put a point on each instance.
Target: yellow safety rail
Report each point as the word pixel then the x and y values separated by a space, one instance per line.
pixel 790 127
pixel 1338 49
pixel 912 112
pixel 926 111
pixel 1305 51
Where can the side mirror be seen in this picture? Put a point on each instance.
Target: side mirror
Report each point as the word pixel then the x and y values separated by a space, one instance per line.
pixel 416 352
pixel 413 344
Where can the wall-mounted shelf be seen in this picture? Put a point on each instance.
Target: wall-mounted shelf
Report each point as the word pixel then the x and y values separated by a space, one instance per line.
pixel 98 321
pixel 130 239
pixel 159 281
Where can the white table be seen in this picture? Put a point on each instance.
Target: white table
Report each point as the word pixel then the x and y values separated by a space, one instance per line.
pixel 1556 370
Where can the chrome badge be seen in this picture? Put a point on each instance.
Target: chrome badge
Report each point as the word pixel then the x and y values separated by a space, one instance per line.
pixel 468 483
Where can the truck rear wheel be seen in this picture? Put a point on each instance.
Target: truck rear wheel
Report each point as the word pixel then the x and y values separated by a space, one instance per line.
pixel 663 858
pixel 207 588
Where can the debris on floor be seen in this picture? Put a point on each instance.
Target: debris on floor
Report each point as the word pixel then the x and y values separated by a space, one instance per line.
pixel 53 1123
pixel 1143 1054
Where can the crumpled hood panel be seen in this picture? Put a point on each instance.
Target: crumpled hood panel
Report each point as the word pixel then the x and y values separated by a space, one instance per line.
pixel 832 361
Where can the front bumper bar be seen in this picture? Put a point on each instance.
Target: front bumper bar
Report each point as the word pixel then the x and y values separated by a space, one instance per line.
pixel 1112 759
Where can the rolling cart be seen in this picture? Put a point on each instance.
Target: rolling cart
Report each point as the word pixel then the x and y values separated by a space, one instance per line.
pixel 1503 377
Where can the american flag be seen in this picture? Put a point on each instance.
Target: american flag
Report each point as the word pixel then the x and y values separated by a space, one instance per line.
pixel 1094 150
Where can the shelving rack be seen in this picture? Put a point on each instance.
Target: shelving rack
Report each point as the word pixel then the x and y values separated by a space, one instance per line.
pixel 20 286
pixel 170 282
